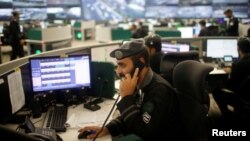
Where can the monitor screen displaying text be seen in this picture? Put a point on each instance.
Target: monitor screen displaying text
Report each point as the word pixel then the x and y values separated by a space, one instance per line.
pixel 218 48
pixel 60 73
pixel 178 47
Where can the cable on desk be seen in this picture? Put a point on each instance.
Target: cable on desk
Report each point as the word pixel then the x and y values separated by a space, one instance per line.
pixel 107 118
pixel 37 121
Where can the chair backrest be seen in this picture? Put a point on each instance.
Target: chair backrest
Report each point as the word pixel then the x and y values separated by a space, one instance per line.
pixel 243 108
pixel 171 59
pixel 189 80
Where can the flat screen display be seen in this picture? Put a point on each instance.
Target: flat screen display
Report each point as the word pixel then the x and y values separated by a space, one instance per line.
pixel 32 13
pixel 172 47
pixel 218 48
pixel 186 32
pixel 239 11
pixel 191 2
pixel 64 13
pixel 230 1
pixel 5 14
pixel 63 2
pixel 29 3
pixel 112 9
pixel 161 2
pixel 5 3
pixel 161 11
pixel 55 73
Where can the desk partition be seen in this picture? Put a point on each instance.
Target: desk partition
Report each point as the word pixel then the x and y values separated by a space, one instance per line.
pixel 45 39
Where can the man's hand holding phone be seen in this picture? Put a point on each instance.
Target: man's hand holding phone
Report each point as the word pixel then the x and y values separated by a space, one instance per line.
pixel 128 84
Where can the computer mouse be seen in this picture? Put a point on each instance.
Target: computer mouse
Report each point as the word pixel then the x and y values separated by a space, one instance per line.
pixel 84 134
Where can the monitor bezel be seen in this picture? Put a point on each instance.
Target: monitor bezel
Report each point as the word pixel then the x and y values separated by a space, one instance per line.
pixel 58 56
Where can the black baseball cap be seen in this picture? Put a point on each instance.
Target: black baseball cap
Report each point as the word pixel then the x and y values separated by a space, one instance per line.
pixel 127 49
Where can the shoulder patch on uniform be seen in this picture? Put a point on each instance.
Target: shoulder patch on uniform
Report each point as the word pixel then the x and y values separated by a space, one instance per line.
pixel 146 117
pixel 148 107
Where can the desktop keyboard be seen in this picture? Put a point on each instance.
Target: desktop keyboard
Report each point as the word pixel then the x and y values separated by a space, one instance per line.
pixel 56 118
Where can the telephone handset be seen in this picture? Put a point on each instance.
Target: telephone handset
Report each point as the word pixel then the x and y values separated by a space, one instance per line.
pixel 41 137
pixel 137 64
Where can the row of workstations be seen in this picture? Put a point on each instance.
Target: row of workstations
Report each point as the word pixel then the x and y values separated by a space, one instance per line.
pixel 99 52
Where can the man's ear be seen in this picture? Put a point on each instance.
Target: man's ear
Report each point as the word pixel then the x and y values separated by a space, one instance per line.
pixel 152 50
pixel 142 60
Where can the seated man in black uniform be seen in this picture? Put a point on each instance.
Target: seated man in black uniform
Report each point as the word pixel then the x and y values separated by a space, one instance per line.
pixel 148 105
pixel 153 43
pixel 239 72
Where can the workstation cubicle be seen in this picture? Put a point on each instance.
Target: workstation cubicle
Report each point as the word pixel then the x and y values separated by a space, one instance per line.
pixel 45 39
pixel 99 53
pixel 21 67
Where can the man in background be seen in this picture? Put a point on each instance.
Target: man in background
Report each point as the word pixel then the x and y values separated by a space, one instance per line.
pixel 232 24
pixel 239 72
pixel 16 41
pixel 203 31
pixel 153 43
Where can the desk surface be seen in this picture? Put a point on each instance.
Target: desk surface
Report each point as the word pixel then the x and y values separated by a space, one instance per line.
pixel 217 71
pixel 79 117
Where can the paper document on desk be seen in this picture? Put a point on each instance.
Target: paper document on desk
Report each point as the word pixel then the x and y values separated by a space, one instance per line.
pixel 80 117
pixel 17 97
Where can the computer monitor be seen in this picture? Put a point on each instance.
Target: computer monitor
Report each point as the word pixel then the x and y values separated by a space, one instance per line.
pixel 1 29
pixel 60 73
pixel 218 48
pixel 175 47
pixel 186 32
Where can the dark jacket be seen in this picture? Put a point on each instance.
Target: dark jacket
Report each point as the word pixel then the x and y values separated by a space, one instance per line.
pixel 232 27
pixel 240 70
pixel 15 33
pixel 155 118
pixel 203 32
pixel 155 62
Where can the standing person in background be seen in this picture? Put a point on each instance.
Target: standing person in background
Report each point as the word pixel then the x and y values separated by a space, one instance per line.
pixel 16 41
pixel 232 24
pixel 140 32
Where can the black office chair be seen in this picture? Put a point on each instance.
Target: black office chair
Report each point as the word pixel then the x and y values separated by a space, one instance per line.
pixel 189 80
pixel 171 59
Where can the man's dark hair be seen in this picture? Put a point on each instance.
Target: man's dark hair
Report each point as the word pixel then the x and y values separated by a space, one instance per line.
pixel 143 54
pixel 202 23
pixel 244 44
pixel 15 13
pixel 153 41
pixel 228 11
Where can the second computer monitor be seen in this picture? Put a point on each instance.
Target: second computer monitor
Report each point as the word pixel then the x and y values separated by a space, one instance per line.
pixel 175 47
pixel 218 48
